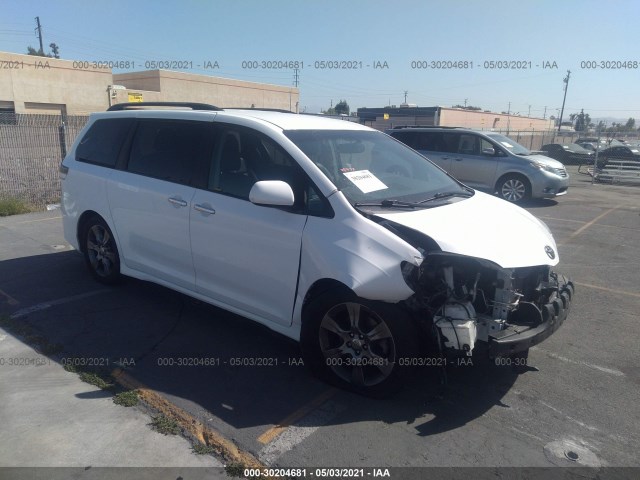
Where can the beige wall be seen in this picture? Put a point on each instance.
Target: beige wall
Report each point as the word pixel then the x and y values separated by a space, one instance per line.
pixel 222 92
pixel 453 117
pixel 42 83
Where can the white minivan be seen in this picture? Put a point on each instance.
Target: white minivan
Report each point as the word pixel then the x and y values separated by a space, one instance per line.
pixel 326 231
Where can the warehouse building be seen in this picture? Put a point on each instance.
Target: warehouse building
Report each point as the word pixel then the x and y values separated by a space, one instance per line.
pixel 31 84
pixel 389 117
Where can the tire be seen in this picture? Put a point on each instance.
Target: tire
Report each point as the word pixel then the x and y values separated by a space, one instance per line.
pixel 100 251
pixel 356 344
pixel 514 188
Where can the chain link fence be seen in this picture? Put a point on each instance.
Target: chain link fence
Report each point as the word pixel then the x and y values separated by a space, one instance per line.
pixel 31 149
pixel 535 139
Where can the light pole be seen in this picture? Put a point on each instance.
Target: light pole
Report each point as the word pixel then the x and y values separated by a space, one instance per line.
pixel 566 86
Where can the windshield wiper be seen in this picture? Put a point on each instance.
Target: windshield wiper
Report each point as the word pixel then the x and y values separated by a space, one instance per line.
pixel 388 203
pixel 439 195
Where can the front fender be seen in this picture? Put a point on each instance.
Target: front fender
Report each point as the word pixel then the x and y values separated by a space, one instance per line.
pixel 356 252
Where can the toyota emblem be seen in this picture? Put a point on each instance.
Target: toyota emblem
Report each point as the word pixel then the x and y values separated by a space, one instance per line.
pixel 550 253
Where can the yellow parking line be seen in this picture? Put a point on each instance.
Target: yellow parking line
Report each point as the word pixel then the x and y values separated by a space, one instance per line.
pixel 229 450
pixel 276 430
pixel 563 220
pixel 10 299
pixel 587 225
pixel 611 290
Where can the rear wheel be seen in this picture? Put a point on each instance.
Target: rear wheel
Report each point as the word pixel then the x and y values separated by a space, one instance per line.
pixel 100 251
pixel 514 188
pixel 358 344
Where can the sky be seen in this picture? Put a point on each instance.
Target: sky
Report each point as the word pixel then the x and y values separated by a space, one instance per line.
pixel 400 37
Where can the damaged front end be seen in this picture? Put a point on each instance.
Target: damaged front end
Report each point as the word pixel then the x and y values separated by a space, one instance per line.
pixel 469 303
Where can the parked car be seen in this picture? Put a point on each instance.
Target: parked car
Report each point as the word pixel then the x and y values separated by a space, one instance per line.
pixel 618 153
pixel 488 161
pixel 326 231
pixel 568 153
pixel 593 144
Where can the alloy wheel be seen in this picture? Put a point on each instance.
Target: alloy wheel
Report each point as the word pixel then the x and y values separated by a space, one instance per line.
pixel 357 344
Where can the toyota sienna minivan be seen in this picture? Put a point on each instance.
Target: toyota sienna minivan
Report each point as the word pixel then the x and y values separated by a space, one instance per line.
pixel 488 161
pixel 327 231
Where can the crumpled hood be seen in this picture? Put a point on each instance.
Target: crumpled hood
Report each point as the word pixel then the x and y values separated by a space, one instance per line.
pixel 483 226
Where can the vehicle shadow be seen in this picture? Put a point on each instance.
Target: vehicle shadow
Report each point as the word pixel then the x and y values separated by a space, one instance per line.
pixel 539 203
pixel 227 371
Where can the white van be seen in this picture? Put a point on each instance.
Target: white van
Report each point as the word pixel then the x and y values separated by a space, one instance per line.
pixel 326 231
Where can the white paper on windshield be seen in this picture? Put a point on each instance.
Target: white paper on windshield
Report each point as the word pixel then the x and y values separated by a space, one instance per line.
pixel 507 144
pixel 365 181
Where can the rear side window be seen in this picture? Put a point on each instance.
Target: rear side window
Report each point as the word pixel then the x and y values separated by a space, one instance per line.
pixel 412 139
pixel 429 141
pixel 170 150
pixel 103 141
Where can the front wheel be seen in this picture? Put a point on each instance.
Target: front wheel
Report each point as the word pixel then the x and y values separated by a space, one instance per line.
pixel 100 251
pixel 514 188
pixel 358 344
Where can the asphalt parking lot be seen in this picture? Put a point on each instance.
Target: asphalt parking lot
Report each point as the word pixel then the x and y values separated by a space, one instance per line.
pixel 576 405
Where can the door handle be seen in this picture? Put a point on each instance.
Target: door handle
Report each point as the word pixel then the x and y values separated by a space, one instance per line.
pixel 178 202
pixel 458 159
pixel 204 209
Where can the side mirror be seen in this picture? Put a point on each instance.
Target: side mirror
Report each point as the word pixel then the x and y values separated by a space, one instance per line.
pixel 272 193
pixel 488 151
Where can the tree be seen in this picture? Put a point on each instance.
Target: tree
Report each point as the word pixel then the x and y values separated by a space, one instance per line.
pixel 631 124
pixel 470 107
pixel 580 121
pixel 39 53
pixel 55 49
pixel 342 108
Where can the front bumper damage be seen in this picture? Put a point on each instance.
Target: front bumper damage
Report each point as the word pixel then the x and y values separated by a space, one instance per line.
pixel 519 338
pixel 469 304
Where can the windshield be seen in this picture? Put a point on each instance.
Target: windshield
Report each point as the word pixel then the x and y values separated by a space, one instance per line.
pixel 369 166
pixel 509 144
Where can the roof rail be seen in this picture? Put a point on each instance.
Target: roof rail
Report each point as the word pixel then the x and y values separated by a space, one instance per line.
pixel 139 105
pixel 422 126
pixel 279 110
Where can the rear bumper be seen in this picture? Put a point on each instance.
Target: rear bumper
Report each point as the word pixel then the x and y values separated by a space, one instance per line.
pixel 517 338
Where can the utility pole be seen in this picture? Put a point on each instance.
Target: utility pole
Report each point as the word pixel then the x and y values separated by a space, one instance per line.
pixel 295 78
pixel 405 96
pixel 465 102
pixel 508 118
pixel 39 33
pixel 566 86
pixel 529 114
pixel 544 115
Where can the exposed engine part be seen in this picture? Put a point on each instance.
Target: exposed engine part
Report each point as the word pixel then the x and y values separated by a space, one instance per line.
pixel 505 299
pixel 469 300
pixel 457 326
